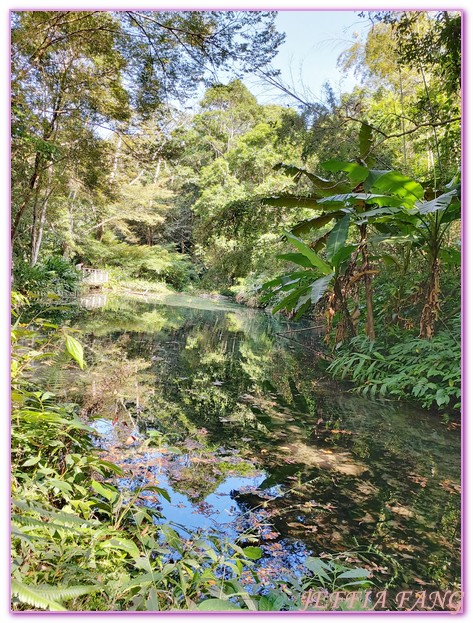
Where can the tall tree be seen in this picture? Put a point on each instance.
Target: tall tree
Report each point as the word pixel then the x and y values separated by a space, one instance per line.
pixel 77 72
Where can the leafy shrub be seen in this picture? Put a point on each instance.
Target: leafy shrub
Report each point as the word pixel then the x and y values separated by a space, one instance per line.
pixel 427 371
pixel 155 263
pixel 55 275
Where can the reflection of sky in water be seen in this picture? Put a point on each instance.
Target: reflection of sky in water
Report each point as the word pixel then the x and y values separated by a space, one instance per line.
pixel 218 511
pixel 383 472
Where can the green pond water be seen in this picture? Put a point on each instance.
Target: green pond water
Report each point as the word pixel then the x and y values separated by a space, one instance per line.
pixel 230 410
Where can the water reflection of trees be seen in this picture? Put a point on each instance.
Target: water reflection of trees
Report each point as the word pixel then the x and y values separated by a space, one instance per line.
pixel 346 467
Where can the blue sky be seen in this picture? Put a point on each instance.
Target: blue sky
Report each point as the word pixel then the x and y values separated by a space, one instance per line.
pixel 308 57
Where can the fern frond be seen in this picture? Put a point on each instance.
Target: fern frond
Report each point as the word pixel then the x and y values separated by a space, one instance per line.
pixel 31 522
pixel 31 596
pixel 66 592
pixel 59 517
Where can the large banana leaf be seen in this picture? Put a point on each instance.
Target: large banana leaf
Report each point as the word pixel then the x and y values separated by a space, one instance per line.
pixel 452 213
pixel 338 236
pixel 290 301
pixel 319 287
pixel 342 254
pixel 398 184
pixel 439 203
pixel 301 246
pixel 315 223
pixel 320 183
pixel 293 201
pixel 297 258
pixel 356 172
pixel 284 279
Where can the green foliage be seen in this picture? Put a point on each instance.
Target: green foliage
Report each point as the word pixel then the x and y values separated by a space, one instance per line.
pixel 55 275
pixel 426 371
pixel 155 263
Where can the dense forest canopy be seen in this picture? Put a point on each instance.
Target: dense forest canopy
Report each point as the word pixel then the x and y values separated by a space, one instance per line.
pixel 138 148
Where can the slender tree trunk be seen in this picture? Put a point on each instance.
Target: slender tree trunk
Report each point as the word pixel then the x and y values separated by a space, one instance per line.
pixel 368 285
pixel 116 158
pixel 431 310
pixel 38 162
pixel 31 188
pixel 157 170
pixel 38 222
pixel 346 327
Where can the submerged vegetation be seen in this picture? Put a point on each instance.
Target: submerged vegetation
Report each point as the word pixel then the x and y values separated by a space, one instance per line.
pixel 339 218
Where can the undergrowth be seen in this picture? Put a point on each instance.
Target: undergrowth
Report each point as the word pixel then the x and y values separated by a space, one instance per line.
pixel 426 371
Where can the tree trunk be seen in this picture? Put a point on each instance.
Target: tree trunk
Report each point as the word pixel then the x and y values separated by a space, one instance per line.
pixel 431 310
pixel 38 222
pixel 48 132
pixel 368 286
pixel 29 192
pixel 116 158
pixel 345 327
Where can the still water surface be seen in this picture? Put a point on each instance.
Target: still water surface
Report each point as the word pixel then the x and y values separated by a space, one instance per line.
pixel 230 410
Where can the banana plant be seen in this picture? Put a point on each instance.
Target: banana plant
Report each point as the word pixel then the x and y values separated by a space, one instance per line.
pixel 304 288
pixel 383 198
pixel 425 228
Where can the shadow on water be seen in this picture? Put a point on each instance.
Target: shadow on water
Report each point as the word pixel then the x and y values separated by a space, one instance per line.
pixel 208 400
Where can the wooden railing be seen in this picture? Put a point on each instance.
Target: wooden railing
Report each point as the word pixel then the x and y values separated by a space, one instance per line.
pixel 94 276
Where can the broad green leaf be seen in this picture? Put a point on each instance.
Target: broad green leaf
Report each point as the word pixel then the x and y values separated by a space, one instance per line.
pixel 439 203
pixel 338 236
pixel 342 254
pixel 272 602
pixel 290 301
pixel 284 279
pixel 123 544
pixel 105 490
pixel 400 185
pixel 315 223
pixel 317 566
pixel 292 201
pixel 319 288
pixel 32 461
pixel 302 306
pixel 75 350
pixel 253 553
pixel 352 198
pixel 455 181
pixel 152 603
pixel 384 201
pixel 452 212
pixel 355 573
pixel 62 485
pixel 356 172
pixel 373 175
pixel 171 536
pixel 216 605
pixel 366 140
pixel 301 246
pixel 377 212
pixel 296 258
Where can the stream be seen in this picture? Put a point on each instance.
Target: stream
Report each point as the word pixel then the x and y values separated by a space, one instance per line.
pixel 229 409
